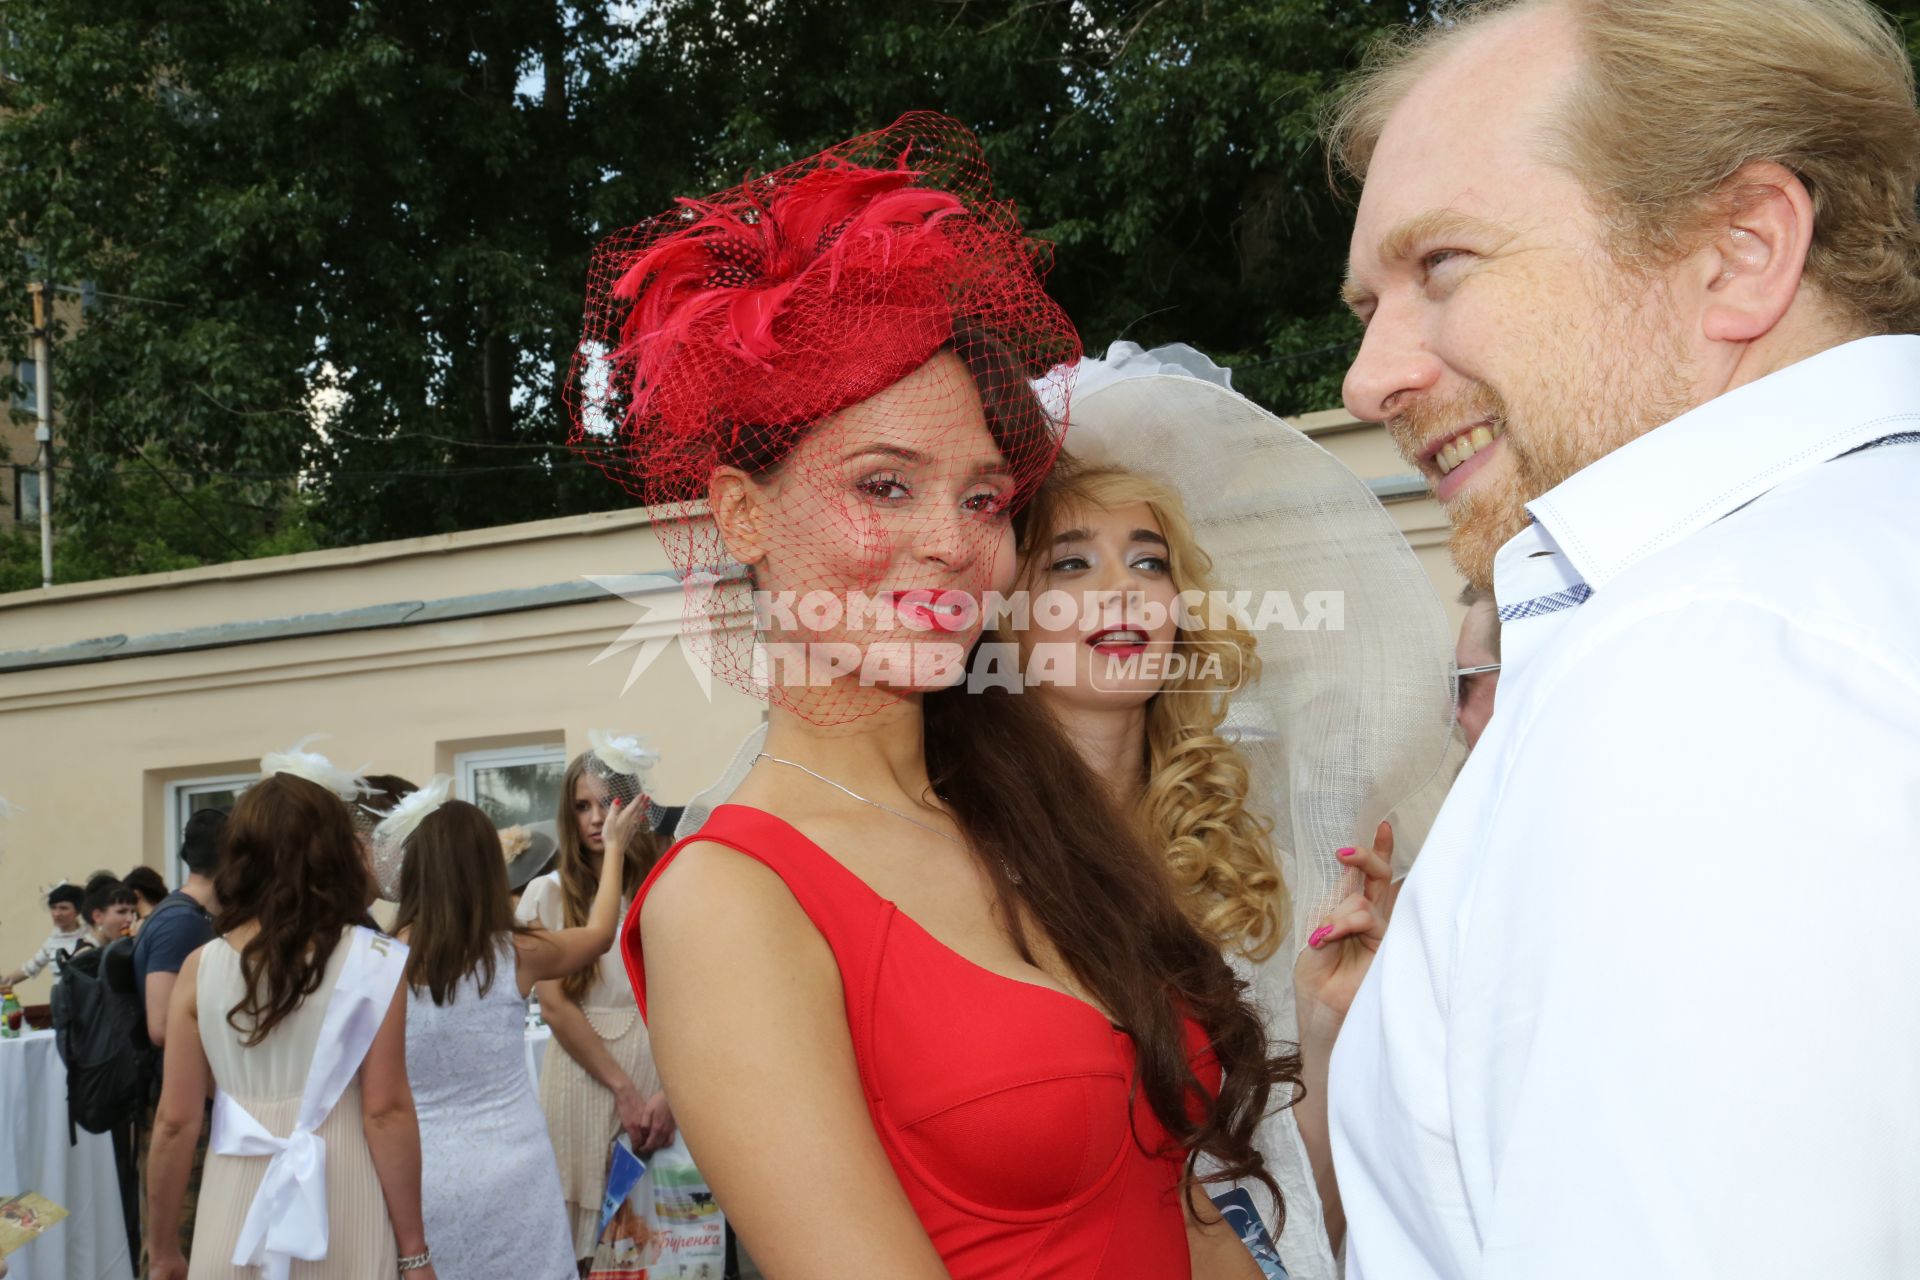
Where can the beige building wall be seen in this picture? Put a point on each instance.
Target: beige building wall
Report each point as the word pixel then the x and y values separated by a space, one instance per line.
pixel 87 749
pixel 164 679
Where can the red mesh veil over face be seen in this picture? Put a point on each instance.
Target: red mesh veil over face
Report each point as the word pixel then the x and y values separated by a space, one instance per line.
pixel 833 386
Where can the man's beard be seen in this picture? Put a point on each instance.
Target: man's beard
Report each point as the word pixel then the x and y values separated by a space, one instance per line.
pixel 1589 402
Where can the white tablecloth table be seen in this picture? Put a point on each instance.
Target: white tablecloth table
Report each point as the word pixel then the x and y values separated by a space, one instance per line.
pixel 91 1244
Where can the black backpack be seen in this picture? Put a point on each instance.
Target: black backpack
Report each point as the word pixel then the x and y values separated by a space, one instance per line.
pixel 96 1014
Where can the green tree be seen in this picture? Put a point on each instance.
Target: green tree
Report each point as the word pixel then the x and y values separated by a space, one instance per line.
pixel 391 204
pixel 385 204
pixel 1167 146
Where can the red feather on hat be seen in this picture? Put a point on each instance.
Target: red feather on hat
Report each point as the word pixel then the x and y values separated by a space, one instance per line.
pixel 735 277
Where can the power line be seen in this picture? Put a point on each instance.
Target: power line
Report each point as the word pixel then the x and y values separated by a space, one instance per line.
pixel 329 429
pixel 187 502
pixel 88 292
pixel 323 474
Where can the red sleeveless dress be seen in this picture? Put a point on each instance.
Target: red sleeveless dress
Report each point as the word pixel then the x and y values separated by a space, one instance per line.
pixel 1004 1106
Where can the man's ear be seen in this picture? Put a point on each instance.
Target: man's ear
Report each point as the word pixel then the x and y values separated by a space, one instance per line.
pixel 734 497
pixel 1754 256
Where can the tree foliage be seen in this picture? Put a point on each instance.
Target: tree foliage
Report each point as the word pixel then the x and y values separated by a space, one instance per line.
pixel 385 208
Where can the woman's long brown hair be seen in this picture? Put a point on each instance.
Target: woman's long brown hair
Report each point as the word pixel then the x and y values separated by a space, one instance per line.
pixel 580 872
pixel 1089 884
pixel 454 904
pixel 1086 880
pixel 289 863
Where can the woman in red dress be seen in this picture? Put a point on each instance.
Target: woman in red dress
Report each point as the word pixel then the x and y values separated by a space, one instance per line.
pixel 925 1004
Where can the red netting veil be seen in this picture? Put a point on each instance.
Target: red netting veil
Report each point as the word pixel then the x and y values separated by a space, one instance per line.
pixel 864 337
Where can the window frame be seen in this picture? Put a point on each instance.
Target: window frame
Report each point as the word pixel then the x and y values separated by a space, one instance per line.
pixel 178 795
pixel 22 513
pixel 467 763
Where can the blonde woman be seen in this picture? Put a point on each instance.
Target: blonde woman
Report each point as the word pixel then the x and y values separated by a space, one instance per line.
pixel 598 1079
pixel 1142 663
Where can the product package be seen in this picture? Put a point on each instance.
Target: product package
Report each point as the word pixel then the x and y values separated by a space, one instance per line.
pixel 23 1217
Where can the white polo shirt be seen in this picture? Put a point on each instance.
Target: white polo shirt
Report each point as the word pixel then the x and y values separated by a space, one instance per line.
pixel 1650 1002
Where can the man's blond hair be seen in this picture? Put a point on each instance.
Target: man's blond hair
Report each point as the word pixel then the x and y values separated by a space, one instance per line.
pixel 1677 95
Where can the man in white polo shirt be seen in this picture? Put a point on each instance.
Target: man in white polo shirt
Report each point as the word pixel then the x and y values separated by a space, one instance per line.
pixel 1639 279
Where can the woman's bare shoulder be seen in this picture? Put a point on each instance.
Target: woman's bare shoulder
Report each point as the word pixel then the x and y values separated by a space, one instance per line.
pixel 706 877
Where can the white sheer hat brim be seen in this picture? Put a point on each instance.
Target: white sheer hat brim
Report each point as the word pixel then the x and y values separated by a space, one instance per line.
pixel 1353 712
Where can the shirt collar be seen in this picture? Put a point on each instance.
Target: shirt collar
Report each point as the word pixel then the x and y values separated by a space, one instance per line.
pixel 1681 477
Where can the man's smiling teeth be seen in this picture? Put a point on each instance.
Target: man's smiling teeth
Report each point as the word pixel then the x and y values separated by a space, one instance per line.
pixel 1465 446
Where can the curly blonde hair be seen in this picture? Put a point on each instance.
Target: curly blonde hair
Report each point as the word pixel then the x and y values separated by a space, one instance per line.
pixel 1218 851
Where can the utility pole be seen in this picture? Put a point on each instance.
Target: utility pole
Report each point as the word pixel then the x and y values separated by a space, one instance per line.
pixel 43 407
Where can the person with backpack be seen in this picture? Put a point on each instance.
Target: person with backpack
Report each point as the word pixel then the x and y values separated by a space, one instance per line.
pixel 178 926
pixel 96 1024
pixel 110 909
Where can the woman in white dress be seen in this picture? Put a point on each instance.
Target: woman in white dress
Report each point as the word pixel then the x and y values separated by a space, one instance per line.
pixel 598 1079
pixel 293 1017
pixel 491 1189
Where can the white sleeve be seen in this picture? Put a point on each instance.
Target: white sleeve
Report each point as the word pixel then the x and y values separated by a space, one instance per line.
pixel 41 959
pixel 1684 1036
pixel 540 904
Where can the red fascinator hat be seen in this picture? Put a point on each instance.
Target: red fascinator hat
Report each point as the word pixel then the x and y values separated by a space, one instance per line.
pixel 776 303
pixel 722 331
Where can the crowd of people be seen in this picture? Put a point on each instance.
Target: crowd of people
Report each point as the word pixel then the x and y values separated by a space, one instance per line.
pixel 238 982
pixel 1057 920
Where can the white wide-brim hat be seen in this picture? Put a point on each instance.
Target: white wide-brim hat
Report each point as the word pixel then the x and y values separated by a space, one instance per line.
pixel 1352 714
pixel 1350 721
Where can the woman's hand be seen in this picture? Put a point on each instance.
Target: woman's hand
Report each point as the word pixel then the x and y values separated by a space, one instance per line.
pixel 1338 954
pixel 660 1123
pixel 631 1105
pixel 623 824
pixel 164 1266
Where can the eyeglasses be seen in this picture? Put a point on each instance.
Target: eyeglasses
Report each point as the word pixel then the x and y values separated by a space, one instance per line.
pixel 1487 670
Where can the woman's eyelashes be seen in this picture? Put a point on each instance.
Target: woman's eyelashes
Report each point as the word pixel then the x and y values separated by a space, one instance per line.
pixel 885 486
pixel 1075 562
pixel 892 489
pixel 991 501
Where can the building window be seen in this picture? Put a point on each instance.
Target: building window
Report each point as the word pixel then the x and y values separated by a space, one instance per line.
pixel 26 397
pixel 26 495
pixel 190 795
pixel 513 785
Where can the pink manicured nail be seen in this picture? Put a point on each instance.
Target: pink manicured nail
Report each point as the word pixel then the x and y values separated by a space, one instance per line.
pixel 1343 853
pixel 1319 936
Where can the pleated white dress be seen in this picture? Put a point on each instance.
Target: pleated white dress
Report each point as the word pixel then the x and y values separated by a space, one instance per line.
pixel 268 1080
pixel 581 1117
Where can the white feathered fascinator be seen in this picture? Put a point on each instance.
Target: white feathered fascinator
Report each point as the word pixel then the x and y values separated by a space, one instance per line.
pixel 623 764
pixel 348 784
pixel 390 837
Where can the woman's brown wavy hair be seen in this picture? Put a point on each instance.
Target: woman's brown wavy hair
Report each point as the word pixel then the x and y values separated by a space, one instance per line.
pixel 580 874
pixel 289 863
pixel 454 903
pixel 1086 879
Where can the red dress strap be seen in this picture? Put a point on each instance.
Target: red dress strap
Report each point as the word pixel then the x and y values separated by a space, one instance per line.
pixel 849 915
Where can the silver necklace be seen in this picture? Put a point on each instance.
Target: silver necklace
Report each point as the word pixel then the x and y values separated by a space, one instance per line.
pixel 1013 877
